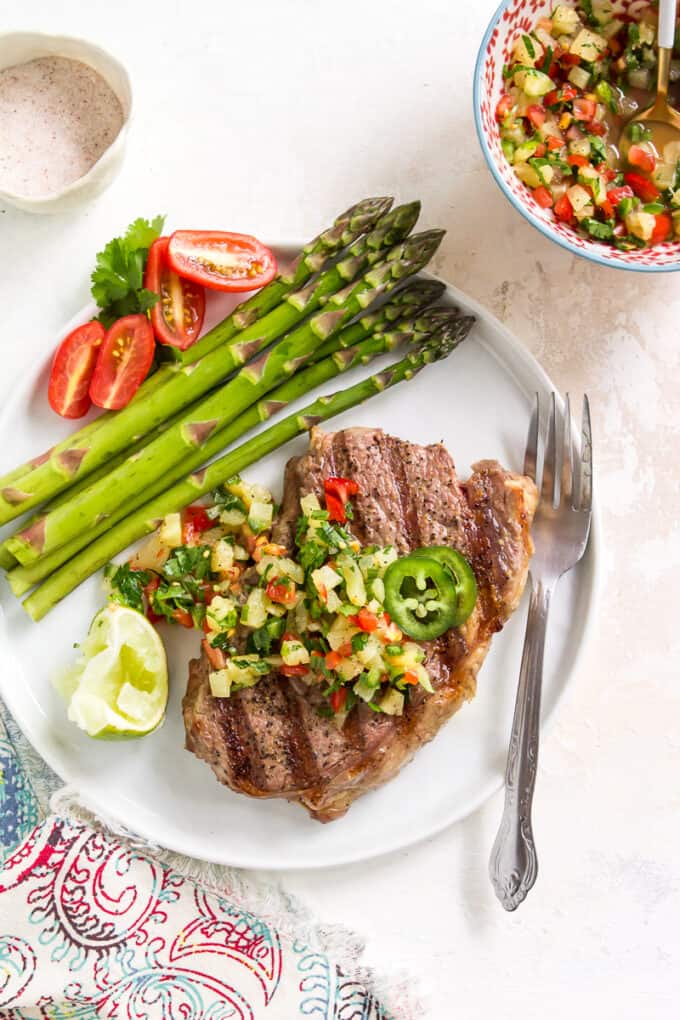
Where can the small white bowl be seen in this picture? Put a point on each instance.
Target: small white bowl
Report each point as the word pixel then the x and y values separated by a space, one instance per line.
pixel 19 48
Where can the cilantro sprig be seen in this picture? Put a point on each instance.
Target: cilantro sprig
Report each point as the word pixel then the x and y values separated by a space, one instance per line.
pixel 118 277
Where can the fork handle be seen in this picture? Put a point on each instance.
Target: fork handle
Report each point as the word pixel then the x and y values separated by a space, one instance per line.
pixel 513 865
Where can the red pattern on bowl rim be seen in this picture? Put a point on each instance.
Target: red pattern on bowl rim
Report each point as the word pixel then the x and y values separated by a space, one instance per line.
pixel 511 18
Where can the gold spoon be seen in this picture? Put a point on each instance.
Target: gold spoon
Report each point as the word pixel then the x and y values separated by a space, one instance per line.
pixel 660 119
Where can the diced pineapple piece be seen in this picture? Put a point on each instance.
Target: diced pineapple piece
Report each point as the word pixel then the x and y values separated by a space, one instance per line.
pixel 579 77
pixel 528 175
pixel 588 176
pixel 341 632
pixel 348 668
pixel 325 579
pixel 152 554
pixel 170 532
pixel 309 503
pixel 578 197
pixel 640 224
pixel 588 45
pixel 392 703
pixel 277 566
pixel 260 516
pixel 221 614
pixel 534 83
pixel 220 683
pixel 565 20
pixel 232 518
pixel 333 602
pixel 294 653
pixel 254 612
pixel 664 175
pixel 527 51
pixel 372 650
pixel 222 556
pixel 354 580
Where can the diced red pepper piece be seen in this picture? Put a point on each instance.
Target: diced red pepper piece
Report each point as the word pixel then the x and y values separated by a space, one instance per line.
pixel 570 59
pixel 543 197
pixel 195 521
pixel 564 211
pixel 642 159
pixel 338 699
pixel 149 589
pixel 504 106
pixel 183 618
pixel 294 670
pixel 338 492
pixel 410 677
pixel 574 159
pixel 536 115
pixel 616 195
pixel 642 187
pixel 584 109
pixel 216 656
pixel 554 143
pixel 282 591
pixel 333 659
pixel 596 127
pixel 662 229
pixel 608 209
pixel 365 620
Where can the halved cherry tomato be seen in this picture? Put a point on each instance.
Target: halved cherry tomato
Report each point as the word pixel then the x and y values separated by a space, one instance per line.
pixel 195 521
pixel 338 699
pixel 574 159
pixel 616 195
pixel 584 109
pixel 178 316
pixel 72 368
pixel 216 656
pixel 564 210
pixel 338 492
pixel 283 592
pixel 662 229
pixel 124 361
pixel 643 160
pixel 642 187
pixel 221 260
pixel 543 197
pixel 183 618
pixel 536 115
pixel 294 670
pixel 504 106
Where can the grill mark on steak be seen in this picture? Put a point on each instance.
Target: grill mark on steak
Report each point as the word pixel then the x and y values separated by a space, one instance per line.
pixel 268 740
pixel 299 752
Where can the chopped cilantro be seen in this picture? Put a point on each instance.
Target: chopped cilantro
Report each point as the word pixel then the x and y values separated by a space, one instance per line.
pixel 118 276
pixel 127 585
pixel 359 641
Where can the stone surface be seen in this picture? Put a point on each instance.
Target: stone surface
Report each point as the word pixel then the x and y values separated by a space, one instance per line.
pixel 268 118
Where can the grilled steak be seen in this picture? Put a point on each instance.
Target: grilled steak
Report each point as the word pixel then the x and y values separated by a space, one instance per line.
pixel 269 740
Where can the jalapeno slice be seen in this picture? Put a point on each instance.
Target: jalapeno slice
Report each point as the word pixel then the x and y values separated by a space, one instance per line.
pixel 420 596
pixel 463 574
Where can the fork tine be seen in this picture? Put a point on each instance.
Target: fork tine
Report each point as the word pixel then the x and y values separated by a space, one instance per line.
pixel 567 480
pixel 531 452
pixel 550 476
pixel 586 498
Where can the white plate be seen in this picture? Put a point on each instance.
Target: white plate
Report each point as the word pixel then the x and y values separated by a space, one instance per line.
pixel 477 402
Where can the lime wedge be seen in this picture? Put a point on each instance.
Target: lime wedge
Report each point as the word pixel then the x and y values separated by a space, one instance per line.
pixel 118 687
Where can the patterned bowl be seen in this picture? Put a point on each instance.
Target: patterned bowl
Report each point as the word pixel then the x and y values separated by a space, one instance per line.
pixel 511 18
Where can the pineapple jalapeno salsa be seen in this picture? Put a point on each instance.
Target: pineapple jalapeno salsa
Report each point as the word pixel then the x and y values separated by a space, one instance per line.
pixel 573 81
pixel 337 616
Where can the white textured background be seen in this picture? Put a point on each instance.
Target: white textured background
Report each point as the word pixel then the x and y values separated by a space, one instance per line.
pixel 269 118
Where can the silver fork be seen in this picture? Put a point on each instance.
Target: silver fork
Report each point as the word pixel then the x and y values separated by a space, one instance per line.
pixel 560 533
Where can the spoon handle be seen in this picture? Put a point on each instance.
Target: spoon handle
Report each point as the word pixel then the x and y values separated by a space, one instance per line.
pixel 667 12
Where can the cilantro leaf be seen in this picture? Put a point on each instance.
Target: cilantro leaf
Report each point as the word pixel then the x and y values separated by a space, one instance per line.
pixel 127 585
pixel 118 276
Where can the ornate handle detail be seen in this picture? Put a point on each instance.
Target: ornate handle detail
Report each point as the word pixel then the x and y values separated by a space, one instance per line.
pixel 513 864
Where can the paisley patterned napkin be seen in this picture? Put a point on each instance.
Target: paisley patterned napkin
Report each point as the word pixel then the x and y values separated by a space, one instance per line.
pixel 96 925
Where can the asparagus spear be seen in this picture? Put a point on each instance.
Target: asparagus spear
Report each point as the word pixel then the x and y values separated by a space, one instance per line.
pixel 412 328
pixel 147 518
pixel 69 461
pixel 347 228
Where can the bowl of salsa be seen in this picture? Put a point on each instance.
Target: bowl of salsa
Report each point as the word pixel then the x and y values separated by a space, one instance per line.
pixel 555 86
